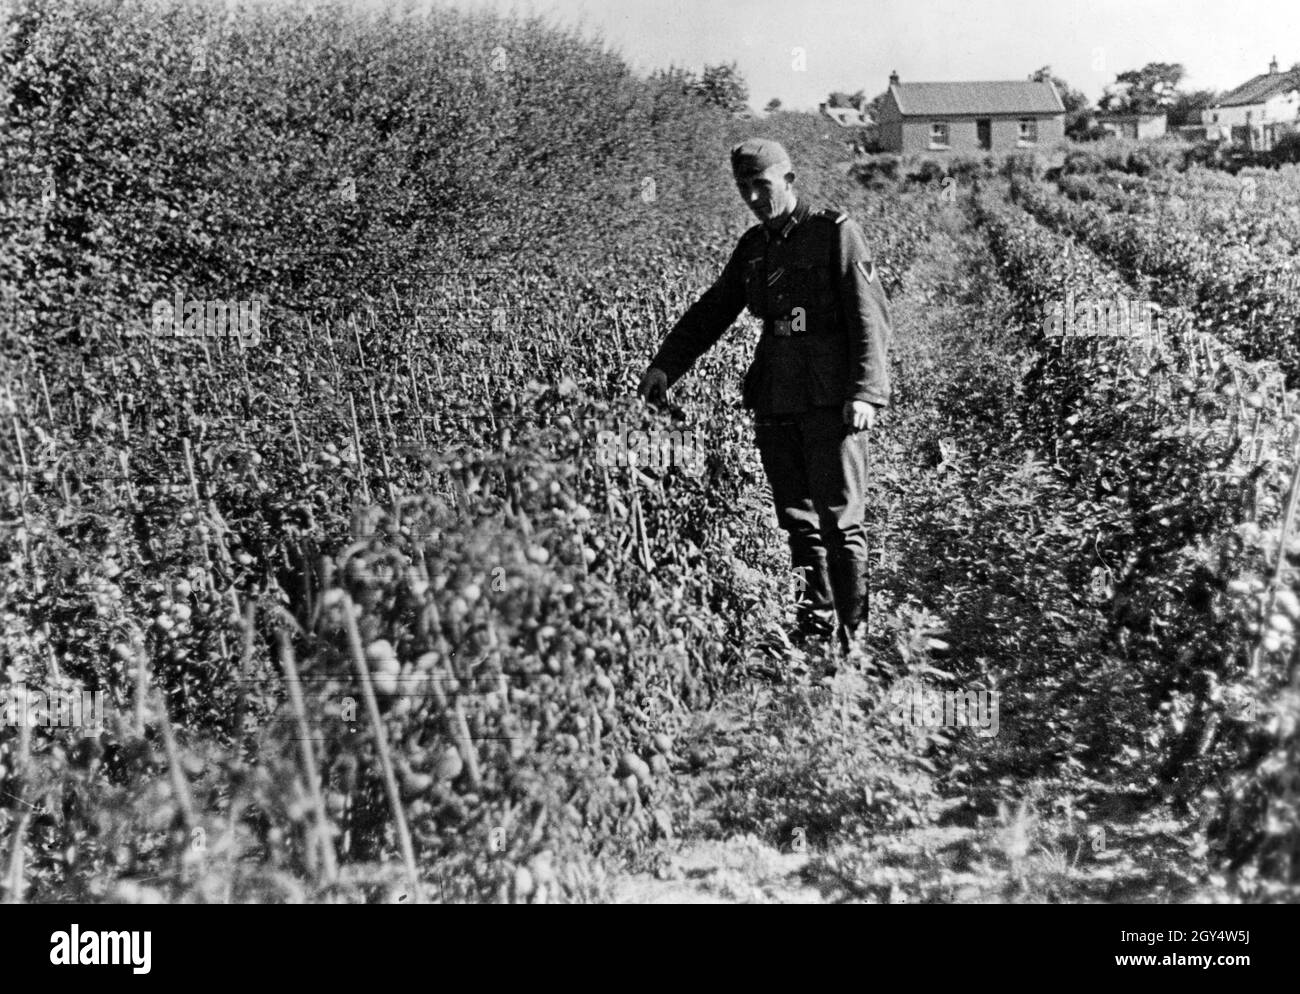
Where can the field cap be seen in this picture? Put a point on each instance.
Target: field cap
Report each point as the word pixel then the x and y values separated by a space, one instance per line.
pixel 754 155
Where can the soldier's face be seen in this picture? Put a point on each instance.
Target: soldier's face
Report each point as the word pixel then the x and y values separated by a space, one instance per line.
pixel 768 194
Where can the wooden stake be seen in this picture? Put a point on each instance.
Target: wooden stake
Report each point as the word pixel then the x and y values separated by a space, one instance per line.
pixel 246 619
pixel 361 462
pixel 297 439
pixel 361 355
pixel 324 835
pixel 1276 579
pixel 17 854
pixel 141 688
pixel 381 747
pixel 45 389
pixel 180 786
pixel 189 466
pixel 383 453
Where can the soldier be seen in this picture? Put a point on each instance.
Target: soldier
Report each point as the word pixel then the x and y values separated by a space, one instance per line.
pixel 819 373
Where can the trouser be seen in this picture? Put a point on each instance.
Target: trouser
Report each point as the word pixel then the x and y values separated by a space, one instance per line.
pixel 817 467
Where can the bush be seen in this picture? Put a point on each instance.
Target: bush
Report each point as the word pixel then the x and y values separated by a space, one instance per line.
pixel 1287 149
pixel 878 171
pixel 1207 153
pixel 967 167
pixel 928 171
pixel 1083 161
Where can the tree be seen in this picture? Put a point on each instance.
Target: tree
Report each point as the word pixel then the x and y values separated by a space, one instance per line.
pixel 723 86
pixel 773 105
pixel 1187 106
pixel 720 85
pixel 1148 90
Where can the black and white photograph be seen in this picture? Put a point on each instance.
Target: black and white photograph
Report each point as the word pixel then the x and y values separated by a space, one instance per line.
pixel 649 452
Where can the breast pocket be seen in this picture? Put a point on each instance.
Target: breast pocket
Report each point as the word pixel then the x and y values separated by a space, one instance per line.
pixel 812 289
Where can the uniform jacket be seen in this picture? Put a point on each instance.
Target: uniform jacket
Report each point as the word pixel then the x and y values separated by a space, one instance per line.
pixel 817 269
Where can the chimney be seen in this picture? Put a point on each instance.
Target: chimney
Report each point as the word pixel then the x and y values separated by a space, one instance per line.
pixel 893 78
pixel 1272 67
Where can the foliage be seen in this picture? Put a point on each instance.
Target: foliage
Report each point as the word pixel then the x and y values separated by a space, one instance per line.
pixel 720 86
pixel 532 619
pixel 1238 288
pixel 1187 106
pixel 398 489
pixel 1148 90
pixel 1152 437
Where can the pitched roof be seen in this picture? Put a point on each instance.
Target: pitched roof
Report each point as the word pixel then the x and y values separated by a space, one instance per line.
pixel 1260 89
pixel 1001 97
pixel 847 117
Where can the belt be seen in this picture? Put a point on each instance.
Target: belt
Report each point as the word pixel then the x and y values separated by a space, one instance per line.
pixel 786 328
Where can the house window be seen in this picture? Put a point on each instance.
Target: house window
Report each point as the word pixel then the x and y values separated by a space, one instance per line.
pixel 1028 131
pixel 1215 118
pixel 939 134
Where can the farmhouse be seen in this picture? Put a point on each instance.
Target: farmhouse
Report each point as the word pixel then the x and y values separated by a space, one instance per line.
pixel 1134 125
pixel 996 117
pixel 1257 113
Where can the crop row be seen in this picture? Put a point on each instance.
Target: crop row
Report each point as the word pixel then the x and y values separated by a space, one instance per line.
pixel 1241 294
pixel 1253 211
pixel 1260 190
pixel 1181 464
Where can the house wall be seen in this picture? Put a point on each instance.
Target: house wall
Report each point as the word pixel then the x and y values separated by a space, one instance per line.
pixel 912 136
pixel 1136 127
pixel 888 111
pixel 1283 107
pixel 1154 128
pixel 890 123
pixel 1265 124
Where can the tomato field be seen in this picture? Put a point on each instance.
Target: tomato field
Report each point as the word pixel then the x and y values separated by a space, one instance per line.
pixel 375 621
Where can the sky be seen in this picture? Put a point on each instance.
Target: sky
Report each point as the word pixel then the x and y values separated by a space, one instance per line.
pixel 849 45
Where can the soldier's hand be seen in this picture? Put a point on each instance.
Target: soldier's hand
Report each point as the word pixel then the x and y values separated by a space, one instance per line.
pixel 654 385
pixel 859 414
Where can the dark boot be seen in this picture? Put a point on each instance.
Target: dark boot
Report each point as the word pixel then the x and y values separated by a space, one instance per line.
pixel 850 581
pixel 815 612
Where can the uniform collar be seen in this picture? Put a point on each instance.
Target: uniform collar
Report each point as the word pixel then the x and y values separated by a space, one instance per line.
pixel 797 215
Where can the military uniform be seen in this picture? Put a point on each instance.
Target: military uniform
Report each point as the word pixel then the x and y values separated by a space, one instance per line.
pixel 826 335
